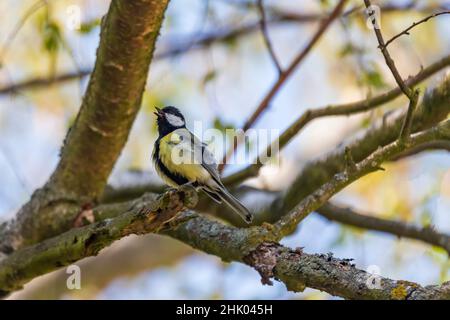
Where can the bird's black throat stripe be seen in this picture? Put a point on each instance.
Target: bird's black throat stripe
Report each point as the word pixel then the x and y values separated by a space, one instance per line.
pixel 178 179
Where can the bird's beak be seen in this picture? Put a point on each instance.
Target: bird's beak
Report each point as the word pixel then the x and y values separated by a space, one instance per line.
pixel 158 112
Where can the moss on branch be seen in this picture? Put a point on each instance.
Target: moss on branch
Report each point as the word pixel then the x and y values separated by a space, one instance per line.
pixel 148 214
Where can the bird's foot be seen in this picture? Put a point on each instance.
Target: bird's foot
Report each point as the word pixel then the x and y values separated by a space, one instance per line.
pixel 188 187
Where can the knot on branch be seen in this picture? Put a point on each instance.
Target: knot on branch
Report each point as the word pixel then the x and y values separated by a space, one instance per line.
pixel 264 259
pixel 270 260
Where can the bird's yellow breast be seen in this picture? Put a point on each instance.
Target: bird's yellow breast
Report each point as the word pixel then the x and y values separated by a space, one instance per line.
pixel 177 155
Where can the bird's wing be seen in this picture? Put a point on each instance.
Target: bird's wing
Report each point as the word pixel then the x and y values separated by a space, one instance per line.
pixel 208 160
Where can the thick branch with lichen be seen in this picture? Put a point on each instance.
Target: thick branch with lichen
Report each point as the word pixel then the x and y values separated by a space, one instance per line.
pixel 145 215
pixel 295 268
pixel 255 246
pixel 352 173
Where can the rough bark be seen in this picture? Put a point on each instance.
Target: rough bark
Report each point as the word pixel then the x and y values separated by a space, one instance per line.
pixel 255 246
pixel 148 214
pixel 298 269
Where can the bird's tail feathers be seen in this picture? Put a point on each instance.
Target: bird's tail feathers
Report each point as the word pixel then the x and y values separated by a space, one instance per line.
pixel 212 195
pixel 235 204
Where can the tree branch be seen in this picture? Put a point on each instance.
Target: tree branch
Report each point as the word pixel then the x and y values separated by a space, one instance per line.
pixel 433 109
pixel 110 105
pixel 42 82
pixel 333 110
pixel 277 18
pixel 254 246
pixel 415 24
pixel 433 145
pixel 265 33
pixel 401 229
pixel 413 95
pixel 296 269
pixel 289 222
pixel 284 76
pixel 148 214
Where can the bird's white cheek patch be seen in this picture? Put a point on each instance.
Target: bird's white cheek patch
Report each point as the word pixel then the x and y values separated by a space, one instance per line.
pixel 174 120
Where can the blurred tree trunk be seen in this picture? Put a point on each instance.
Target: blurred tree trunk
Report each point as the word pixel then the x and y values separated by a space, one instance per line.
pixel 113 98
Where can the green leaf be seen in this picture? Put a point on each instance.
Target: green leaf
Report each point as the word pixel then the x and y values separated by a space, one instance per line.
pixel 374 78
pixel 366 122
pixel 220 125
pixel 325 4
pixel 51 37
pixel 426 218
pixel 87 27
pixel 349 49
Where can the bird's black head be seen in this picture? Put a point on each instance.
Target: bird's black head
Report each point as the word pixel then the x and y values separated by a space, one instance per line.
pixel 168 120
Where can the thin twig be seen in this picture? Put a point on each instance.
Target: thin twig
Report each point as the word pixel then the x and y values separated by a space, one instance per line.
pixel 28 13
pixel 387 57
pixel 277 18
pixel 265 33
pixel 413 95
pixel 406 127
pixel 406 31
pixel 40 82
pixel 333 110
pixel 265 102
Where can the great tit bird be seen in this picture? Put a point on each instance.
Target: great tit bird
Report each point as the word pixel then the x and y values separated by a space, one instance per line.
pixel 180 158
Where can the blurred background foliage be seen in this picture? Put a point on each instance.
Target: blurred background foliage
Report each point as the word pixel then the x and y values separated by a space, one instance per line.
pixel 220 83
